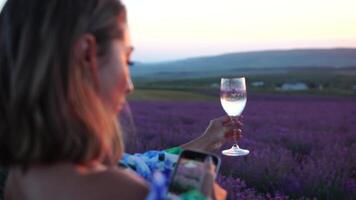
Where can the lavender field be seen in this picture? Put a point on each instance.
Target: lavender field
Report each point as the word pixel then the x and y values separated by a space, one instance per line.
pixel 302 147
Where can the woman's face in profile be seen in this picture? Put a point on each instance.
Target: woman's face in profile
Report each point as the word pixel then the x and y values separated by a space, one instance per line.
pixel 114 75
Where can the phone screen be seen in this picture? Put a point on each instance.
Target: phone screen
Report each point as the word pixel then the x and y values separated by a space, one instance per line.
pixel 189 173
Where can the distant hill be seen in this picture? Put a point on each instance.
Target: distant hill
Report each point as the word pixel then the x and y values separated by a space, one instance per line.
pixel 249 62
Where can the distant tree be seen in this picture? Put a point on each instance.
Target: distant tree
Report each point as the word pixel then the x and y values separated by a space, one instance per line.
pixel 312 85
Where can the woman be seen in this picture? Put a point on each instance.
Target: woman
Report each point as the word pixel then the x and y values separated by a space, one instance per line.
pixel 63 79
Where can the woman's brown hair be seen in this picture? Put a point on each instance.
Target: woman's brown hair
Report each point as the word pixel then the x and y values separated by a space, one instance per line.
pixel 50 110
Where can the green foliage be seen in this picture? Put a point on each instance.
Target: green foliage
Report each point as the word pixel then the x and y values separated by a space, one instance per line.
pixel 319 81
pixel 150 94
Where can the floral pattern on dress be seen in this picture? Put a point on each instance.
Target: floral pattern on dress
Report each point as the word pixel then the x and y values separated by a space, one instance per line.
pixel 155 167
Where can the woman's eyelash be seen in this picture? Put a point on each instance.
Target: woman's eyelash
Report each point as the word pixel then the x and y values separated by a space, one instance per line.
pixel 130 63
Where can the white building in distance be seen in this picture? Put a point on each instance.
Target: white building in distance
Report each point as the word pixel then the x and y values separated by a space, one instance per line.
pixel 294 87
pixel 258 84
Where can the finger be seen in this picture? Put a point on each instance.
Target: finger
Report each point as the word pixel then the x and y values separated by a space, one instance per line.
pixel 233 121
pixel 229 135
pixel 233 133
pixel 232 126
pixel 238 123
pixel 207 186
pixel 226 120
pixel 229 127
pixel 236 119
pixel 222 118
pixel 228 123
pixel 238 133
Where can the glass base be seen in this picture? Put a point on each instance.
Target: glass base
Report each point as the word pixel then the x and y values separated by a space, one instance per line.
pixel 235 151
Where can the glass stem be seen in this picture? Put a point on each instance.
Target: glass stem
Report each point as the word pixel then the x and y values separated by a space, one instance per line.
pixel 234 132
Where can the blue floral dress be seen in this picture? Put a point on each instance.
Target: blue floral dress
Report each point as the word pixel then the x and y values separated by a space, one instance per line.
pixel 156 167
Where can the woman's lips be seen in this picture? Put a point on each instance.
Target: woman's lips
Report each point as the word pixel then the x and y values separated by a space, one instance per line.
pixel 120 105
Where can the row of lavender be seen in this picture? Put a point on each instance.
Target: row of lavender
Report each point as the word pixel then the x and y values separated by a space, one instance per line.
pixel 301 147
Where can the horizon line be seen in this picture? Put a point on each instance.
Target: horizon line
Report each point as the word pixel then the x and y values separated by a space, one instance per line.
pixel 247 51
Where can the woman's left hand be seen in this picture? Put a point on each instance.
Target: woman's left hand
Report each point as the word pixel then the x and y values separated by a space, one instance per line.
pixel 219 131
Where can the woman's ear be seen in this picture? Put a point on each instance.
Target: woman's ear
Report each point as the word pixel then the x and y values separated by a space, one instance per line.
pixel 87 58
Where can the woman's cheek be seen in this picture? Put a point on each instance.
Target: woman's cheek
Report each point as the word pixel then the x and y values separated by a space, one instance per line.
pixel 119 91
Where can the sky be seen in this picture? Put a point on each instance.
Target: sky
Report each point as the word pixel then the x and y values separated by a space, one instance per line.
pixel 173 29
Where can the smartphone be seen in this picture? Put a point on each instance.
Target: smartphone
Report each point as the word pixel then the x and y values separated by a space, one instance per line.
pixel 190 170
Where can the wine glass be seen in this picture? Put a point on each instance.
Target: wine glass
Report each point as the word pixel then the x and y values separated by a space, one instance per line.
pixel 233 99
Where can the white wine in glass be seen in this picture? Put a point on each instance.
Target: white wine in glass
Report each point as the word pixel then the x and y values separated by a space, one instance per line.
pixel 233 99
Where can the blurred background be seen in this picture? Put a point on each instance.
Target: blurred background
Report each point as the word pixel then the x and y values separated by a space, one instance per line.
pixel 280 46
pixel 299 59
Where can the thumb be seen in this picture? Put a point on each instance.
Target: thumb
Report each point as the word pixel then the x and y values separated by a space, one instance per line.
pixel 207 186
pixel 208 178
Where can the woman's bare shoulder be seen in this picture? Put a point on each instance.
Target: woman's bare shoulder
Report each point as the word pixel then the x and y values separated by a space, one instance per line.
pixel 120 183
pixel 61 182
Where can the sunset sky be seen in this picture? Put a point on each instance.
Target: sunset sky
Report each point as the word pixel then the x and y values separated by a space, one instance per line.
pixel 173 29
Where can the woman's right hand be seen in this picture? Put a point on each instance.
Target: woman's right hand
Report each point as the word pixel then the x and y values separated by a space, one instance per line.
pixel 219 131
pixel 222 130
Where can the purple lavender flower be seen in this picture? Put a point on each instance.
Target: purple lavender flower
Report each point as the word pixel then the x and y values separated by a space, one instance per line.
pixel 302 147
